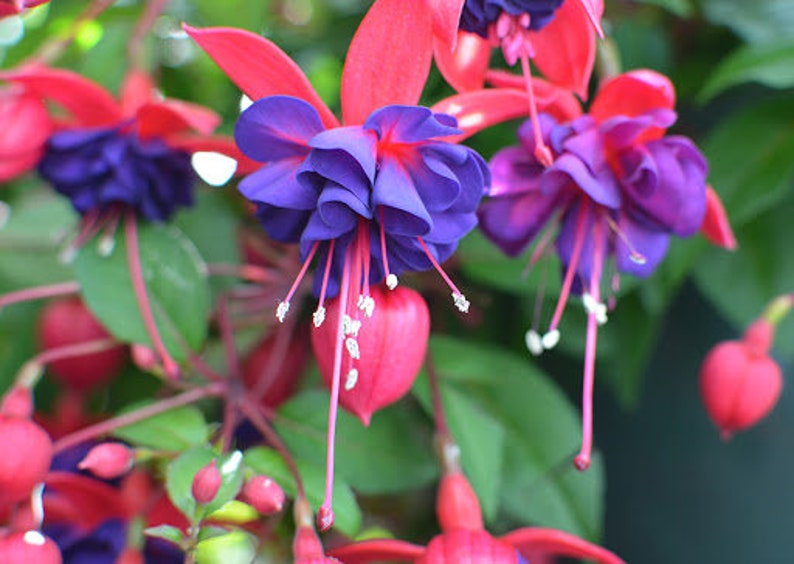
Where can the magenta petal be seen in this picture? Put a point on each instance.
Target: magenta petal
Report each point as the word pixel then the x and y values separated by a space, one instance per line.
pixel 90 104
pixel 388 60
pixel 377 550
pixel 513 171
pixel 601 186
pixel 277 127
pixel 258 67
pixel 558 543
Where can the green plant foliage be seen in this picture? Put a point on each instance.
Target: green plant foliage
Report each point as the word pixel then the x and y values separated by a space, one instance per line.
pixel 770 64
pixel 174 430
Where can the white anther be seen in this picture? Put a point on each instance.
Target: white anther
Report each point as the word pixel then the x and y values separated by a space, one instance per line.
pixel 550 339
pixel 637 258
pixel 34 537
pixel 351 379
pixel 67 254
pixel 318 316
pixel 366 304
pixel 391 281
pixel 350 326
pixel 461 302
pixel 281 311
pixel 352 348
pixel 533 342
pixel 106 245
pixel 592 307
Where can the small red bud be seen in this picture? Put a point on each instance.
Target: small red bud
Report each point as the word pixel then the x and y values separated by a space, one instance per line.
pixel 458 506
pixel 18 402
pixel 26 453
pixel 739 383
pixel 108 460
pixel 69 322
pixel 28 548
pixel 206 483
pixel 144 358
pixel 759 337
pixel 264 495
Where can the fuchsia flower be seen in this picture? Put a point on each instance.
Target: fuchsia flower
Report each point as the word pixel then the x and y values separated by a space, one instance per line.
pixel 383 192
pixel 132 152
pixel 618 188
pixel 464 539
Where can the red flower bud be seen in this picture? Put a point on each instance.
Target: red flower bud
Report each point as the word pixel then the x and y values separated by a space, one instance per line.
pixel 108 460
pixel 18 402
pixel 391 346
pixel 264 495
pixel 274 384
pixel 28 548
pixel 739 382
pixel 26 455
pixel 206 483
pixel 68 322
pixel 464 545
pixel 458 506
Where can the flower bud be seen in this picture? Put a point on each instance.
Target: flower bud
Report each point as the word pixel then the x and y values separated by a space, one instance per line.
pixel 739 383
pixel 26 455
pixel 264 495
pixel 28 548
pixel 108 460
pixel 206 483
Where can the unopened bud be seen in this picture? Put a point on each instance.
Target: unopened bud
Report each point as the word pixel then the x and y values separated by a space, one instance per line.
pixel 25 456
pixel 206 483
pixel 144 358
pixel 108 460
pixel 264 495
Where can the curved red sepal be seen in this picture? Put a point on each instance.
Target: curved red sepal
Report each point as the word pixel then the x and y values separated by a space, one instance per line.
pixel 565 49
pixel 167 117
pixel 137 90
pixel 716 227
pixel 594 10
pixel 80 500
pixel 388 60
pixel 549 98
pixel 258 67
pixel 558 543
pixel 464 66
pixel 446 18
pixel 633 93
pixel 377 550
pixel 87 102
pixel 478 110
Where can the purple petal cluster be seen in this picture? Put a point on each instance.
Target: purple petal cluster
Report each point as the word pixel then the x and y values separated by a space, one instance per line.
pixel 639 192
pixel 393 176
pixel 97 168
pixel 478 15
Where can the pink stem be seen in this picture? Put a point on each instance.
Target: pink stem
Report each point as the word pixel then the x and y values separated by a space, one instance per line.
pixel 277 356
pixel 249 272
pixel 233 364
pixel 151 410
pixel 325 515
pixel 139 287
pixel 39 292
pixel 70 351
pixel 435 389
pixel 582 460
pixel 542 152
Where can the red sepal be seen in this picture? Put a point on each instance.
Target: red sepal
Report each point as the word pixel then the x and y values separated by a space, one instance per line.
pixel 377 550
pixel 716 227
pixel 388 60
pixel 446 19
pixel 167 117
pixel 258 67
pixel 565 49
pixel 549 98
pixel 81 501
pixel 633 93
pixel 464 66
pixel 594 10
pixel 558 543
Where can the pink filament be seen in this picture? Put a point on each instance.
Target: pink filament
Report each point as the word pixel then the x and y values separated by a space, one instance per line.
pixel 542 152
pixel 577 250
pixel 327 271
pixel 302 272
pixel 438 268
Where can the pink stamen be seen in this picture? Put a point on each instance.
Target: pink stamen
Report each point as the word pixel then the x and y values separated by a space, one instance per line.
pixel 384 255
pixel 283 307
pixel 582 460
pixel 542 151
pixel 139 288
pixel 569 274
pixel 325 514
pixel 635 256
pixel 326 273
pixel 460 300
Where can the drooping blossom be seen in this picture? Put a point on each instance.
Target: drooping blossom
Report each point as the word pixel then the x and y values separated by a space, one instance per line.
pixel 384 191
pixel 618 189
pixel 463 537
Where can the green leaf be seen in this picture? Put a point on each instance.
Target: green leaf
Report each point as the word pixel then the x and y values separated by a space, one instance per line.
pixel 756 22
pixel 165 532
pixel 541 435
pixel 181 471
pixel 232 548
pixel 174 430
pixel 771 64
pixel 681 8
pixel 750 157
pixel 741 284
pixel 393 454
pixel 176 285
pixel 268 462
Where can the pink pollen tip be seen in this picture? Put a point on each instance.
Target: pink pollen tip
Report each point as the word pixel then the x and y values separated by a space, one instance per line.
pixel 543 154
pixel 325 518
pixel 582 462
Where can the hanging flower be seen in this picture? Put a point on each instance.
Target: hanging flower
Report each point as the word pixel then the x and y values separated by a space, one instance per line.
pixel 618 189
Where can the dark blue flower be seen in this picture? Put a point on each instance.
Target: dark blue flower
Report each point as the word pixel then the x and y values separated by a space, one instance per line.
pixel 478 15
pixel 97 168
pixel 392 183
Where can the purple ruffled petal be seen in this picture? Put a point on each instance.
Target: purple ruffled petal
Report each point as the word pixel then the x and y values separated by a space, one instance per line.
pixel 622 131
pixel 403 210
pixel 601 187
pixel 361 145
pixel 408 124
pixel 514 171
pixel 276 184
pixel 648 244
